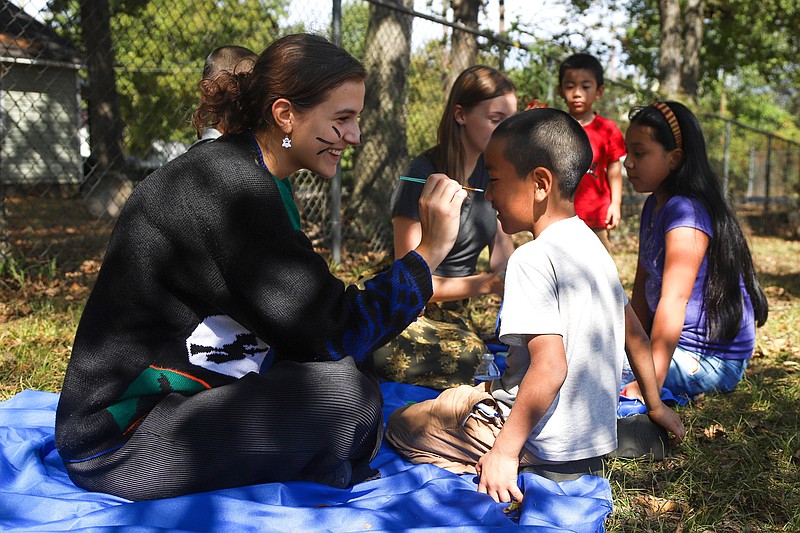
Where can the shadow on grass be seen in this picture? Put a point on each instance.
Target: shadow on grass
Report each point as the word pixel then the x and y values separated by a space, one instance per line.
pixel 789 282
pixel 736 471
pixel 775 223
pixel 40 229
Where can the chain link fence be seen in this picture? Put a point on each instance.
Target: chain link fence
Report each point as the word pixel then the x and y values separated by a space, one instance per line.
pixel 96 95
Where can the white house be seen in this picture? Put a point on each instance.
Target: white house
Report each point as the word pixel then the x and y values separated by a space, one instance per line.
pixel 39 103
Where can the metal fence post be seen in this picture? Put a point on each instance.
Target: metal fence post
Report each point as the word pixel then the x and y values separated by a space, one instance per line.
pixel 767 184
pixel 336 182
pixel 5 249
pixel 726 157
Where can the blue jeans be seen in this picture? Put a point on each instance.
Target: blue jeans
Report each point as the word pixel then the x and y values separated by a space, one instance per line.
pixel 691 374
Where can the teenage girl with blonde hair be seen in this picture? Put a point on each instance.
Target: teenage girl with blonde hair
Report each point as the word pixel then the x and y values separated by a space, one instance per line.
pixel 442 348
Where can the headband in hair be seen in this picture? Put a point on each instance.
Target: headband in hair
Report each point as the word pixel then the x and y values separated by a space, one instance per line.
pixel 672 121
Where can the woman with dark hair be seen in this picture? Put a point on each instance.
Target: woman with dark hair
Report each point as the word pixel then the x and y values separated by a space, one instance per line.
pixel 695 290
pixel 442 348
pixel 216 349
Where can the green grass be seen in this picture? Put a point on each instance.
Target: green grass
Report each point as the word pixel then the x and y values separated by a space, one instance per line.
pixel 737 471
pixel 39 313
pixel 739 467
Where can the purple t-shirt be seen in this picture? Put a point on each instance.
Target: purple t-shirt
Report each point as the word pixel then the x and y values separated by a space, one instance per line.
pixel 680 211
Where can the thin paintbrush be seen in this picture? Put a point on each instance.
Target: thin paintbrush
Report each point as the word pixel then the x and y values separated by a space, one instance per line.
pixel 420 180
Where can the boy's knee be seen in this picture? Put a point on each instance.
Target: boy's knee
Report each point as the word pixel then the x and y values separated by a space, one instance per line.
pixel 400 433
pixel 405 421
pixel 444 413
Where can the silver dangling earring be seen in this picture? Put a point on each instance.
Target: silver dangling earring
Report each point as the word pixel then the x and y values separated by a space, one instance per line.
pixel 287 142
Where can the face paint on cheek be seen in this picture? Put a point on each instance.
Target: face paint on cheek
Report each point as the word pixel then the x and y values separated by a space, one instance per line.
pixel 337 132
pixel 329 143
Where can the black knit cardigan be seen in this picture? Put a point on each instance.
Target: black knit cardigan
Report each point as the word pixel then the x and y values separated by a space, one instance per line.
pixel 206 242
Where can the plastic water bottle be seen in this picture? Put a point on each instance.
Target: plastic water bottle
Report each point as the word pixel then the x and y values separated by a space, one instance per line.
pixel 487 370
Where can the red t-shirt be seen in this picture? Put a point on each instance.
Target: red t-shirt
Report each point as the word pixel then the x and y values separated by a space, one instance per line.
pixel 594 195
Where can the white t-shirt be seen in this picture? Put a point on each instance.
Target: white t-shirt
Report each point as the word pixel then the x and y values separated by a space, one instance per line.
pixel 565 283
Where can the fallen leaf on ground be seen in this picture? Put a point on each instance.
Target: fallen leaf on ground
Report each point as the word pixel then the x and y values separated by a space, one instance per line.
pixel 658 506
pixel 715 431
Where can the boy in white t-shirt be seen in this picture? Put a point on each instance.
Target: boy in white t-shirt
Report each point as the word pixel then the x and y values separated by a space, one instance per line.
pixel 566 319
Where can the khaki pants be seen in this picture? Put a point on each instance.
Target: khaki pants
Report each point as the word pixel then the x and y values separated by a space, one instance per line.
pixel 450 431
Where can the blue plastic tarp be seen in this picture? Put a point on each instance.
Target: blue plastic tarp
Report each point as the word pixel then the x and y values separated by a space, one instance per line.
pixel 37 495
pixel 631 406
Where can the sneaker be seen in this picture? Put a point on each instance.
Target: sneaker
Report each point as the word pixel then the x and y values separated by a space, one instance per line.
pixel 638 436
pixel 338 475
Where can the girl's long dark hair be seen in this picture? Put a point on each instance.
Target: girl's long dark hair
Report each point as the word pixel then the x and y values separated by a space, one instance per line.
pixel 729 258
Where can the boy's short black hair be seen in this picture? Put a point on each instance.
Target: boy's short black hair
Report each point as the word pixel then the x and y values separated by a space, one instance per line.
pixel 228 58
pixel 548 138
pixel 583 62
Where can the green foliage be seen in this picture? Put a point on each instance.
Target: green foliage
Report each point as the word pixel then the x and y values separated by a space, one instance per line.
pixel 36 345
pixel 426 98
pixel 63 17
pixel 355 17
pixel 159 55
pixel 537 79
pixel 750 101
pixel 760 34
pixel 16 272
pixel 749 52
pixel 582 28
pixel 12 274
pixel 158 94
pixel 641 39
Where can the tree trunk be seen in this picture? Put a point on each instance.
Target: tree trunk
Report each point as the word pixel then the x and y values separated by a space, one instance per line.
pixel 463 46
pixel 669 58
pixel 383 154
pixel 108 187
pixel 690 72
pixel 105 126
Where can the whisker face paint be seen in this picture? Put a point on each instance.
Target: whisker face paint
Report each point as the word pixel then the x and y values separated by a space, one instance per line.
pixel 325 141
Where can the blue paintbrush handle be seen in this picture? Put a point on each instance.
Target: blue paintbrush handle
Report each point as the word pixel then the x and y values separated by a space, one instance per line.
pixel 420 180
pixel 415 180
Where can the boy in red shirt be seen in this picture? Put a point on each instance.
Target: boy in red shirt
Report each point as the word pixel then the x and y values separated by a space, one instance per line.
pixel 598 199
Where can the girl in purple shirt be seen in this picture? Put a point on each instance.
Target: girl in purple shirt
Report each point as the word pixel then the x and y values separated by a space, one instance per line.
pixel 695 289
